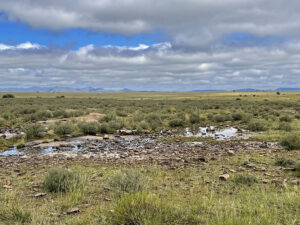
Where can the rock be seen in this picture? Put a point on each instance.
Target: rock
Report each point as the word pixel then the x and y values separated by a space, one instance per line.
pixel 7 187
pixel 200 159
pixel 73 211
pixel 224 177
pixel 295 182
pixel 265 181
pixel 106 137
pixel 39 195
pixel 231 153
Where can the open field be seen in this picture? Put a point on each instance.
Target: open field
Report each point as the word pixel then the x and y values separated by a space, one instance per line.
pixel 140 158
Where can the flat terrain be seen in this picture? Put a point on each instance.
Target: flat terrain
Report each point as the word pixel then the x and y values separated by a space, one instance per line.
pixel 150 158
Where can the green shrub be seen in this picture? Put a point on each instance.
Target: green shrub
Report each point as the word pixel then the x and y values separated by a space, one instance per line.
pixel 176 123
pixel 128 181
pixel 221 118
pixel 63 128
pixel 2 122
pixel 34 130
pixel 14 215
pixel 154 120
pixel 62 180
pixel 244 179
pixel 108 117
pixel 291 141
pixel 121 113
pixel 297 172
pixel 89 128
pixel 237 116
pixel 115 125
pixel 257 126
pixel 285 118
pixel 104 129
pixel 194 118
pixel 285 126
pixel 284 162
pixel 143 208
pixel 8 96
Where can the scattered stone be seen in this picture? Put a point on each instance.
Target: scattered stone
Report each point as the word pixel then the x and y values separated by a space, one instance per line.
pixel 106 137
pixel 7 187
pixel 231 153
pixel 73 211
pixel 265 181
pixel 39 195
pixel 295 182
pixel 224 177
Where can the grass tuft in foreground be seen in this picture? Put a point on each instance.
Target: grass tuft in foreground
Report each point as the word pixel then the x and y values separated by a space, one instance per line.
pixel 127 181
pixel 62 180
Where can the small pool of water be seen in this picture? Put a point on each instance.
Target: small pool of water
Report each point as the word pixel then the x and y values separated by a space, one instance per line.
pixel 13 151
pixel 216 133
pixel 10 135
pixel 52 149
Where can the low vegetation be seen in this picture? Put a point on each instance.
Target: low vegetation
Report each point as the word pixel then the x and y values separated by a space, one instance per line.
pixel 34 130
pixel 128 181
pixel 62 180
pixel 63 189
pixel 291 141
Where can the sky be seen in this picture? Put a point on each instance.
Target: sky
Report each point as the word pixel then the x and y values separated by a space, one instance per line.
pixel 169 45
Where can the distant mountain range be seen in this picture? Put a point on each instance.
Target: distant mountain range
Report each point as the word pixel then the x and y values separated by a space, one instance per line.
pixel 61 89
pixel 124 90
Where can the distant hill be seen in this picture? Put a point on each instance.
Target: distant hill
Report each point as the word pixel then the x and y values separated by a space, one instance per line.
pixel 52 89
pixel 121 90
pixel 246 90
pixel 208 91
pixel 287 89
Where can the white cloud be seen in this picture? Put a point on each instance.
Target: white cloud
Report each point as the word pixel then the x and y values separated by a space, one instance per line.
pixel 157 67
pixel 186 23
pixel 23 46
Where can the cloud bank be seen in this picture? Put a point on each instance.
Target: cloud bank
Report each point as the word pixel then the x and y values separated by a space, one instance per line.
pixel 200 49
pixel 188 23
pixel 156 67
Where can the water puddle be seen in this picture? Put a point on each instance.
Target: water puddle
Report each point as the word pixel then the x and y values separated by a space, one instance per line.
pixel 213 132
pixel 13 151
pixel 53 149
pixel 9 135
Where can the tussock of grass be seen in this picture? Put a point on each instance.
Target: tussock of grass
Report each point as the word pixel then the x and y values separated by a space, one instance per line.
pixel 14 215
pixel 284 162
pixel 244 179
pixel 63 128
pixel 34 130
pixel 90 128
pixel 291 141
pixel 143 208
pixel 62 180
pixel 127 181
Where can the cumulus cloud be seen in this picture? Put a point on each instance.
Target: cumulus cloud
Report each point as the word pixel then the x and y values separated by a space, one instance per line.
pixel 187 23
pixel 156 67
pixel 22 46
pixel 196 53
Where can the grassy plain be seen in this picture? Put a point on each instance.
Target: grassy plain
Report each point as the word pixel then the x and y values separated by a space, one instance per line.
pixel 262 187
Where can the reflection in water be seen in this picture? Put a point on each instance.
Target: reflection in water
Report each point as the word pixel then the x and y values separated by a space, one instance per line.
pixel 216 133
pixel 13 151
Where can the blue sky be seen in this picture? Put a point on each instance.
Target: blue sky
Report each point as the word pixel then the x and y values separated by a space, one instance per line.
pixel 13 33
pixel 150 45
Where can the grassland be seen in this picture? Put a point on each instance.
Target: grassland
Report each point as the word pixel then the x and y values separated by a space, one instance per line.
pixel 262 187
